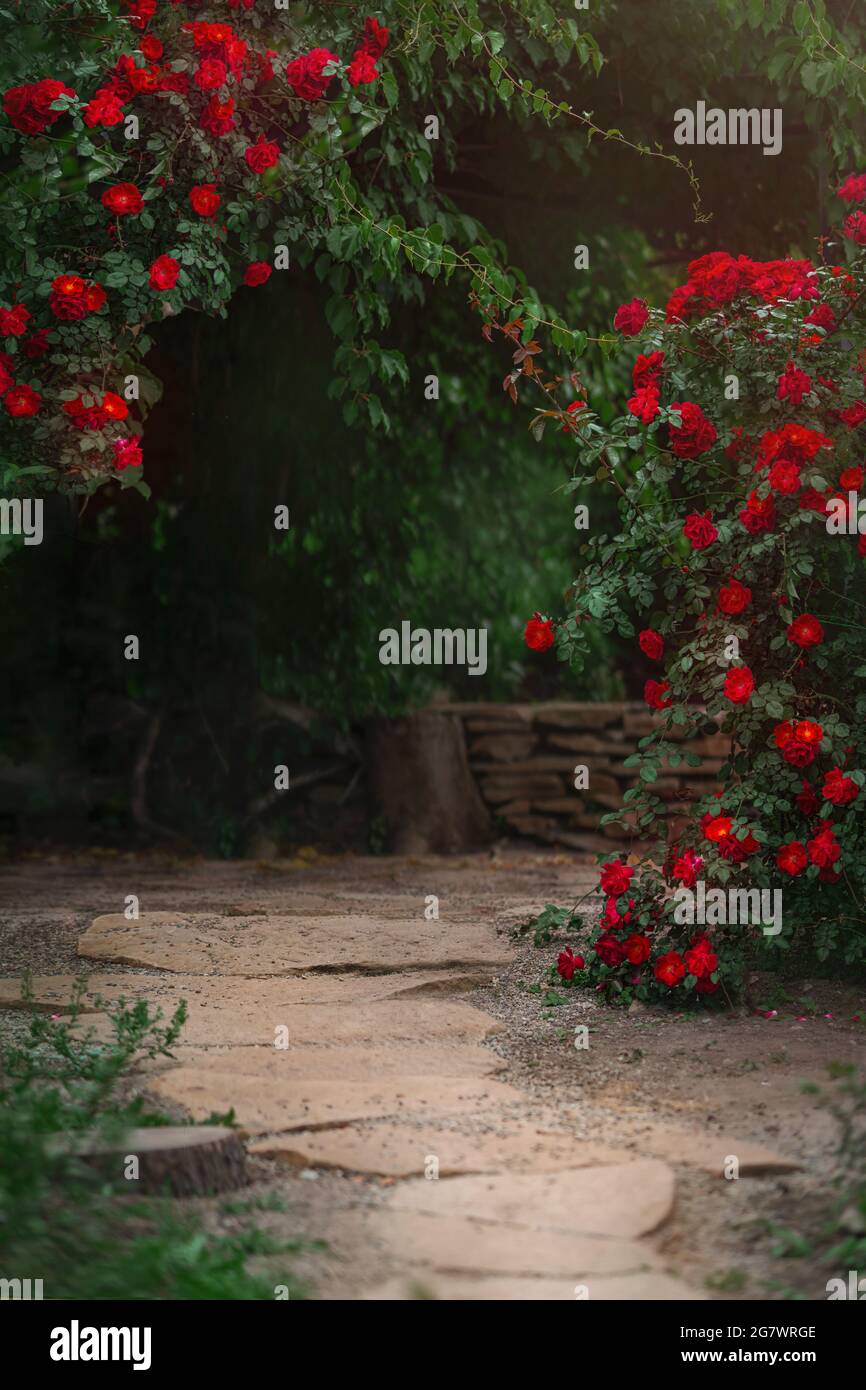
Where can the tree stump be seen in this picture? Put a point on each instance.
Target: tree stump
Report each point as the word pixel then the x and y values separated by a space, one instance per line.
pixel 420 778
pixel 183 1160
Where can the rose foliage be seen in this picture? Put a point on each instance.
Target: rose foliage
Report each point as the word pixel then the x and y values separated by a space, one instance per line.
pixel 163 155
pixel 739 463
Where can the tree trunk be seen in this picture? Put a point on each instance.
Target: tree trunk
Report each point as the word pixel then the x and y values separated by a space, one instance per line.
pixel 184 1160
pixel 419 776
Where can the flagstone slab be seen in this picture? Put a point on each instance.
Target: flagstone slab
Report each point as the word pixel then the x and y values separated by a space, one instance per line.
pixel 403 1151
pixel 265 1102
pixel 650 1287
pixel 387 1022
pixel 233 1009
pixel 198 943
pixel 304 1062
pixel 461 1244
pixel 624 1200
pixel 714 1152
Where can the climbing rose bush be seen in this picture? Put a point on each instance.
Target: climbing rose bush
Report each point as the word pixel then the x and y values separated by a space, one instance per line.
pixel 164 182
pixel 738 461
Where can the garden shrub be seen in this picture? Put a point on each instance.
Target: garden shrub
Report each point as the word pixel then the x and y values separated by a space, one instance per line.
pixel 738 568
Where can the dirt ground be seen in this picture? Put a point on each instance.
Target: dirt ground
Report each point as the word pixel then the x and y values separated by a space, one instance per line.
pixel 739 1073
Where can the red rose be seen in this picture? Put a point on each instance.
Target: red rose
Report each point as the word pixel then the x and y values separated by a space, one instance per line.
pixel 375 39
pixel 22 401
pixel 812 501
pixel 792 858
pixel 609 950
pixel 204 199
pixel 799 754
pixel 794 443
pixel 67 299
pixel 807 731
pixel 838 788
pixel 784 477
pixel 218 117
pixel 94 298
pixel 127 453
pixel 637 948
pixel 538 633
pixel 647 370
pixel 145 79
pixel 84 417
pixel 686 868
pixel 656 695
pixel 615 878
pixel 851 479
pixel 670 969
pixel 571 410
pixel 737 850
pixel 854 415
pixel 151 48
pixel 716 828
pixel 568 963
pixel 644 404
pixel 759 514
pixel 720 831
pixel 630 318
pixel 701 959
pixel 164 273
pixel 733 598
pixel 793 385
pixel 124 200
pixel 699 530
pixel 173 82
pixel 104 108
pixel 263 155
pixel 806 801
pixel 306 77
pixel 705 986
pixel 210 74
pixel 362 68
pixel 798 742
pixel 652 644
pixel 30 108
pixel 853 190
pixel 824 849
pixel 806 631
pixel 114 406
pixel 140 12
pixel 695 435
pixel 13 322
pixel 7 380
pixel 739 685
pixel 610 918
pixel 257 273
pixel 822 316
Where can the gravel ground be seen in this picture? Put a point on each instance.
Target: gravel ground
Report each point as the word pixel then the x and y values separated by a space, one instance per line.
pixel 734 1073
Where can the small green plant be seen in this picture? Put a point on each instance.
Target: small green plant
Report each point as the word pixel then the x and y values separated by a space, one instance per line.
pixel 61 1220
pixel 730 1281
pixel 548 922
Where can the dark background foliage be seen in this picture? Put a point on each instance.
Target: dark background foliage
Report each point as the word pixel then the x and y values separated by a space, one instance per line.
pixel 451 518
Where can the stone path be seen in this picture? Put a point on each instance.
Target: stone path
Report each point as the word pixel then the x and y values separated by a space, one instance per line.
pixel 340 1039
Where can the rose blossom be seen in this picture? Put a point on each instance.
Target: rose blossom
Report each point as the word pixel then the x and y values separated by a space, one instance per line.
pixel 538 633
pixel 164 273
pixel 806 631
pixel 652 644
pixel 699 530
pixel 257 273
pixel 739 685
pixel 630 318
pixel 670 969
